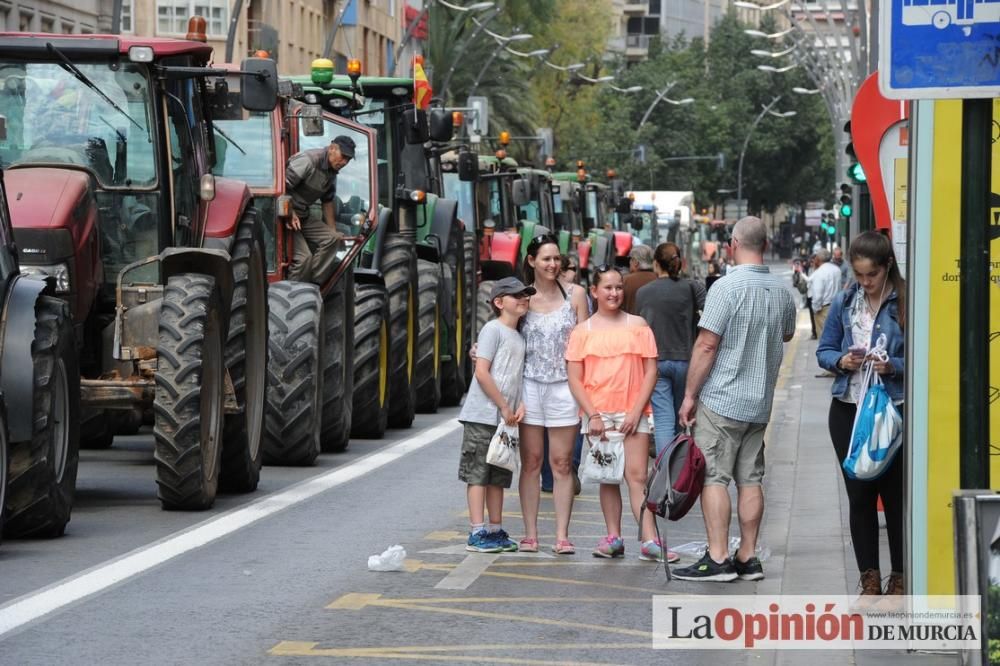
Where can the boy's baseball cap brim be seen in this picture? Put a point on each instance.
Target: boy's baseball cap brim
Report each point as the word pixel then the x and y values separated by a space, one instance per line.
pixel 510 286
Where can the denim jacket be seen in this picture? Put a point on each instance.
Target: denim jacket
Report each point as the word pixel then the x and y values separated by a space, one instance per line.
pixel 837 339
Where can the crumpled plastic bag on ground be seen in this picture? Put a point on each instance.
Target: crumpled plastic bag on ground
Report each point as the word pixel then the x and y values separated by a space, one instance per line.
pixel 696 549
pixel 390 560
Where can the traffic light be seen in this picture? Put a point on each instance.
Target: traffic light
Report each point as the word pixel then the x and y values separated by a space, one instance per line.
pixel 846 203
pixel 855 172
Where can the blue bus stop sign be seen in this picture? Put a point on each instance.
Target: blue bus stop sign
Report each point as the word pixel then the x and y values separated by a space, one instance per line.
pixel 939 49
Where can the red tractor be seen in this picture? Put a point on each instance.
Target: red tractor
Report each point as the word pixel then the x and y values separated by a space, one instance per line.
pixel 40 405
pixel 328 366
pixel 162 263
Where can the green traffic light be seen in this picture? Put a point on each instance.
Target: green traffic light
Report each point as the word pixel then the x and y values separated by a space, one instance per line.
pixel 856 173
pixel 846 210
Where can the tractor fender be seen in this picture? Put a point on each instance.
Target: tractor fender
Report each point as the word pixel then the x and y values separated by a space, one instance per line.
pixel 504 247
pixel 623 243
pixel 217 263
pixel 444 222
pixel 225 211
pixel 583 252
pixel 368 276
pixel 17 373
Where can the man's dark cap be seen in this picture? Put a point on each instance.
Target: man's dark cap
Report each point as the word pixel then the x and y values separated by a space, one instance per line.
pixel 346 145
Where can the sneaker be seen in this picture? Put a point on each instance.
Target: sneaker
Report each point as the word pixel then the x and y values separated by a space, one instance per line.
pixel 707 569
pixel 483 542
pixel 610 546
pixel 507 544
pixel 749 570
pixel 652 551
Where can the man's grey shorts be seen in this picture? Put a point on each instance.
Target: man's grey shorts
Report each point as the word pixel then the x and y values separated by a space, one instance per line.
pixel 473 468
pixel 733 450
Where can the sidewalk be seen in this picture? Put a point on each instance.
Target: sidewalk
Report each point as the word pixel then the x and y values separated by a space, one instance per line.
pixel 806 514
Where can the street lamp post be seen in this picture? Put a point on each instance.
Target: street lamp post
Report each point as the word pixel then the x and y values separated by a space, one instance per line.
pixel 474 7
pixel 662 95
pixel 501 45
pixel 746 142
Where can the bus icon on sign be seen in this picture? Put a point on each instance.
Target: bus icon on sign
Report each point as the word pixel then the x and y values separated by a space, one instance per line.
pixel 943 13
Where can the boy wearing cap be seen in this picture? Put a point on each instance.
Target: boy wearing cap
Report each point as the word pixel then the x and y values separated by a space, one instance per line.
pixel 311 175
pixel 494 395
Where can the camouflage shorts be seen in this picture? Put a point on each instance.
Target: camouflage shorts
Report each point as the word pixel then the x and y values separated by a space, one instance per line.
pixel 473 468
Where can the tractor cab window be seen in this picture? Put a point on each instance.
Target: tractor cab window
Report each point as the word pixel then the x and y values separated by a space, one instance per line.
pixel 242 140
pixel 180 159
pixel 353 193
pixel 373 115
pixel 55 119
pixel 464 194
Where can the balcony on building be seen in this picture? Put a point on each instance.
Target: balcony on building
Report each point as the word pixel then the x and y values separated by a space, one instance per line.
pixel 636 46
pixel 635 7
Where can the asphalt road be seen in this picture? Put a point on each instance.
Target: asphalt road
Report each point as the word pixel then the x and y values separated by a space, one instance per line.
pixel 280 576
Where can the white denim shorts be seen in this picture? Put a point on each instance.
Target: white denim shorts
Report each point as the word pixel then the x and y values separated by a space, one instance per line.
pixel 549 405
pixel 614 421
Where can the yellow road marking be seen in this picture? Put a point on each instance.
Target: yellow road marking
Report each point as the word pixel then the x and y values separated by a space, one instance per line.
pixel 412 566
pixel 434 652
pixel 434 566
pixel 549 514
pixel 358 600
pixel 446 535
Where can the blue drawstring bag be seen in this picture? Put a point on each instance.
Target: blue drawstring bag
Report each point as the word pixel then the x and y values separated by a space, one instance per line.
pixel 878 426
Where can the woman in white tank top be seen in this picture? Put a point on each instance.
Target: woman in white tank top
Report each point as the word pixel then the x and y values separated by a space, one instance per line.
pixel 553 313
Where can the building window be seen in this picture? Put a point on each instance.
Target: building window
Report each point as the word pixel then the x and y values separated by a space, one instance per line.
pixel 48 25
pixel 392 7
pixel 172 15
pixel 126 24
pixel 654 7
pixel 24 21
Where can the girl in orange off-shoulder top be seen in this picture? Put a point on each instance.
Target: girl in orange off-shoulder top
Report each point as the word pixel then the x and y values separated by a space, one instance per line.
pixel 611 367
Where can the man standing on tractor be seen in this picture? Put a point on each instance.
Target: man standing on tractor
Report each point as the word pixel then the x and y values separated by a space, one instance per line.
pixel 311 175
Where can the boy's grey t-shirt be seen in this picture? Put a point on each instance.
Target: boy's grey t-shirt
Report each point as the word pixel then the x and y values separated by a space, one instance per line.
pixel 504 347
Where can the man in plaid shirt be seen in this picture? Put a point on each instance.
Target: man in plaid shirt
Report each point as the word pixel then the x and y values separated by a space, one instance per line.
pixel 748 316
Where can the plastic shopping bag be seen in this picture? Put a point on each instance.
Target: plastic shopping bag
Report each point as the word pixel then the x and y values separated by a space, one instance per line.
pixel 503 448
pixel 605 460
pixel 877 434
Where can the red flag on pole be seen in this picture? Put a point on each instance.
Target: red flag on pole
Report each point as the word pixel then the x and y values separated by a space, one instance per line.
pixel 422 92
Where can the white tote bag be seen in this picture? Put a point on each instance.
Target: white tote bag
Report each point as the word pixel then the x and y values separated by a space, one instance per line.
pixel 605 460
pixel 503 448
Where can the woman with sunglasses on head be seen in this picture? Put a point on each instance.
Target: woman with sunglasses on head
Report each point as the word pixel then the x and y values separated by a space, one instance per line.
pixel 611 365
pixel 553 312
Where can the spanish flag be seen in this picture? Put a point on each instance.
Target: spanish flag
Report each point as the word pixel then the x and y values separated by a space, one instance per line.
pixel 422 92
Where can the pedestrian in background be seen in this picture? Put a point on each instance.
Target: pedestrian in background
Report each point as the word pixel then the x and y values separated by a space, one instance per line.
pixel 549 405
pixel 846 274
pixel 858 317
pixel 640 266
pixel 494 396
pixel 611 360
pixel 734 367
pixel 569 272
pixel 824 284
pixel 671 306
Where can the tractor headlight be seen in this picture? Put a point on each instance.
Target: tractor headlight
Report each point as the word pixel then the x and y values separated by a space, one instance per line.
pixel 59 272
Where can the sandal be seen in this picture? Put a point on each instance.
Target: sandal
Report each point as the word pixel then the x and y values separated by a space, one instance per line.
pixel 528 545
pixel 563 547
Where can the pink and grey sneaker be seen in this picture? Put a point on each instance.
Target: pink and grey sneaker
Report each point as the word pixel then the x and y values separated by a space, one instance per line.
pixel 610 546
pixel 652 551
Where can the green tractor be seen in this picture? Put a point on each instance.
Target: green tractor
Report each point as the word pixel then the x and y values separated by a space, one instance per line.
pixel 419 244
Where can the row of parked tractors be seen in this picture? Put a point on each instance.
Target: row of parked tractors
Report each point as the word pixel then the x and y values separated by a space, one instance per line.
pixel 144 259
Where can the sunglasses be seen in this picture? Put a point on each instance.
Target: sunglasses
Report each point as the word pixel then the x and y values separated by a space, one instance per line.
pixel 543 239
pixel 606 268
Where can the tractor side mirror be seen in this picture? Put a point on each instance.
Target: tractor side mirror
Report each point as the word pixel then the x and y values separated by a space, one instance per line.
pixel 624 205
pixel 441 125
pixel 259 86
pixel 415 127
pixel 3 128
pixel 468 167
pixel 636 222
pixel 312 120
pixel 519 192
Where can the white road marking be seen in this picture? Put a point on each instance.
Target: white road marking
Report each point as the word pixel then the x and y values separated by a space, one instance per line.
pixel 466 573
pixel 33 606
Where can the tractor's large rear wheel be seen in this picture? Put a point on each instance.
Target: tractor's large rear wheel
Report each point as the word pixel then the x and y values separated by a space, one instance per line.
pixel 371 362
pixel 429 333
pixel 292 415
pixel 42 471
pixel 484 312
pixel 190 387
pixel 453 363
pixel 399 268
pixel 246 360
pixel 470 276
pixel 338 364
